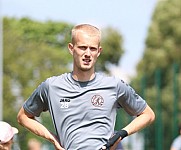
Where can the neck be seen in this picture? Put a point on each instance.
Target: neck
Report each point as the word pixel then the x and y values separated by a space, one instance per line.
pixel 83 76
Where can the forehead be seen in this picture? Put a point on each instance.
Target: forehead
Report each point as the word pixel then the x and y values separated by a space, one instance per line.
pixel 86 38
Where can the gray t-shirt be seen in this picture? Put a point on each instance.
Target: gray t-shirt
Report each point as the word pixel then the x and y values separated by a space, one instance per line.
pixel 84 113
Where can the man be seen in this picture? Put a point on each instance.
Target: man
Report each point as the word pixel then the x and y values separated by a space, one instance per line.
pixel 176 144
pixel 83 103
pixel 7 133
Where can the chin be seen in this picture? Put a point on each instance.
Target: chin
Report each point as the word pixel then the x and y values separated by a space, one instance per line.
pixel 86 68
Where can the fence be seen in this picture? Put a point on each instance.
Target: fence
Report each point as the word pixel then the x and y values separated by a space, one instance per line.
pixel 160 135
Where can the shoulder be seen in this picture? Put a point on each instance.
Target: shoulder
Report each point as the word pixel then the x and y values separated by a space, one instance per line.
pixel 107 77
pixel 55 79
pixel 111 80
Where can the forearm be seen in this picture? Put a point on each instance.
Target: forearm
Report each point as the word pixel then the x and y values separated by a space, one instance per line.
pixel 28 121
pixel 141 121
pixel 34 126
pixel 37 128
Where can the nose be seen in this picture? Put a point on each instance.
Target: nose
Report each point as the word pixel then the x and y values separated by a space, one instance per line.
pixel 88 52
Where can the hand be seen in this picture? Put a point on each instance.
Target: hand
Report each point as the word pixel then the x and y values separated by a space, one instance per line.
pixel 56 143
pixel 114 140
pixel 112 147
pixel 57 146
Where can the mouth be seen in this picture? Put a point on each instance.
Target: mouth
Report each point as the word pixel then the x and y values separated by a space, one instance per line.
pixel 86 61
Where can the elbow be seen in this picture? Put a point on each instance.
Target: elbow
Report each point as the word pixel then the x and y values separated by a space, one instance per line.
pixel 22 117
pixel 152 117
pixel 19 118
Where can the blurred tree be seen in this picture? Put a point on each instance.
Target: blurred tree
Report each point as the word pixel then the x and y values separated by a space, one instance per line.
pixel 36 50
pixel 112 49
pixel 33 51
pixel 163 49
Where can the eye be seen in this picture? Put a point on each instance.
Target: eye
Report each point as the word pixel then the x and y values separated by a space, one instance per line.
pixel 93 48
pixel 82 47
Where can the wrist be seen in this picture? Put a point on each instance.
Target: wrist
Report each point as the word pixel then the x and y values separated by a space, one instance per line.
pixel 122 133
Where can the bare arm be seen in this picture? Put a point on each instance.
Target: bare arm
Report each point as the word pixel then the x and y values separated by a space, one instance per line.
pixel 141 121
pixel 29 122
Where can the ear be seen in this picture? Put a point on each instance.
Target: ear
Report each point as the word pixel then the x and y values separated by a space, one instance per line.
pixel 70 47
pixel 100 50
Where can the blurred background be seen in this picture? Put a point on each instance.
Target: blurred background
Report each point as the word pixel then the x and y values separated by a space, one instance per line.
pixel 141 44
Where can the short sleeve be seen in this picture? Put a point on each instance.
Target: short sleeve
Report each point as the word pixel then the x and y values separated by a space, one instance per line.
pixel 132 103
pixel 37 102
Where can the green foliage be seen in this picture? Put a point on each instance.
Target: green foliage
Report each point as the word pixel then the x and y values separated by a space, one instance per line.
pixel 34 51
pixel 163 49
pixel 112 48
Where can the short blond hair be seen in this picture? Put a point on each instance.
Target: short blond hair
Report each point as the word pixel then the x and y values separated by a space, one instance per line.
pixel 89 29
